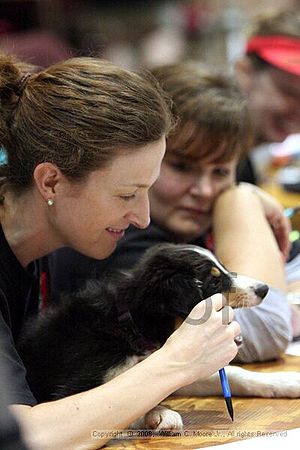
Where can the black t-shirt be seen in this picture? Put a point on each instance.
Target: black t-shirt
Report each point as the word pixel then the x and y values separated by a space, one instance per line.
pixel 18 300
pixel 10 436
pixel 69 270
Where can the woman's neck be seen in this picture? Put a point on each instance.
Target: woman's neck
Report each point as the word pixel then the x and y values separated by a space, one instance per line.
pixel 25 226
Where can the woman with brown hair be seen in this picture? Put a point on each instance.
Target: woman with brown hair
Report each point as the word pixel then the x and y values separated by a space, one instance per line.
pixel 84 141
pixel 195 200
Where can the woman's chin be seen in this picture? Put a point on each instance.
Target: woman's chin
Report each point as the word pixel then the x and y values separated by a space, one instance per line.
pixel 99 251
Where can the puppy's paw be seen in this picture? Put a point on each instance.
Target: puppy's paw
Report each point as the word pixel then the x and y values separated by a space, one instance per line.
pixel 161 418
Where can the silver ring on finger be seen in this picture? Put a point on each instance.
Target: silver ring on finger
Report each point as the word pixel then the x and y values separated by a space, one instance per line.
pixel 239 340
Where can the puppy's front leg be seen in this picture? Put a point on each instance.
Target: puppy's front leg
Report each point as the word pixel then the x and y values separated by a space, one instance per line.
pixel 159 418
pixel 202 388
pixel 246 383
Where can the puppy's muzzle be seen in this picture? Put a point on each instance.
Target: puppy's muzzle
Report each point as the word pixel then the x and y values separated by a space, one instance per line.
pixel 246 292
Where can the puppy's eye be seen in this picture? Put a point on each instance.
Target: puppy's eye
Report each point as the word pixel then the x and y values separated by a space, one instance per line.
pixel 215 272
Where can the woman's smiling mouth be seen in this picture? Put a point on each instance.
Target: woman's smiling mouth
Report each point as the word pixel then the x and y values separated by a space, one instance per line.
pixel 116 233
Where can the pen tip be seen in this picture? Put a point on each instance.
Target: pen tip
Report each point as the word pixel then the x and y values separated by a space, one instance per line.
pixel 229 406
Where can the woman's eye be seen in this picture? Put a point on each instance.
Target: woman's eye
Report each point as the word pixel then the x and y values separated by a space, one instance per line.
pixel 127 197
pixel 222 173
pixel 182 167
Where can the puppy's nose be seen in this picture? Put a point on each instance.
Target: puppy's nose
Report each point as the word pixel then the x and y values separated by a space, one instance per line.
pixel 261 290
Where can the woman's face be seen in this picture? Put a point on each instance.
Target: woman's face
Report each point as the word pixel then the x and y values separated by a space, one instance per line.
pixel 183 197
pixel 274 101
pixel 93 215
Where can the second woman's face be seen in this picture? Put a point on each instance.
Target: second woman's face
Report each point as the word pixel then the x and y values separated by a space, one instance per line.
pixel 93 215
pixel 183 197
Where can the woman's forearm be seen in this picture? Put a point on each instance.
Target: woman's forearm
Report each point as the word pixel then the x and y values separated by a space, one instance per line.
pixel 74 422
pixel 194 351
pixel 243 239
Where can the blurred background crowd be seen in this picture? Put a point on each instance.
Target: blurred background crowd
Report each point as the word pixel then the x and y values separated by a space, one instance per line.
pixel 147 33
pixel 142 34
pixel 132 32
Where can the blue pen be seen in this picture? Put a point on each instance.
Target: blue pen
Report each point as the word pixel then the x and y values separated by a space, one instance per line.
pixel 226 391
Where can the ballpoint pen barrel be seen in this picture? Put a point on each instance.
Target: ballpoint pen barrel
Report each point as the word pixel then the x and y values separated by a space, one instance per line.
pixel 226 391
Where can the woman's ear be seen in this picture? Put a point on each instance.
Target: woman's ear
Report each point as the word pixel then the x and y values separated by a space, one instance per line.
pixel 244 74
pixel 47 176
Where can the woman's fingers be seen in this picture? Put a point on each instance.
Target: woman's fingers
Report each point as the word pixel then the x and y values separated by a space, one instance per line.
pixel 227 314
pixel 281 227
pixel 216 302
pixel 202 349
pixel 235 329
pixel 203 310
pixel 219 301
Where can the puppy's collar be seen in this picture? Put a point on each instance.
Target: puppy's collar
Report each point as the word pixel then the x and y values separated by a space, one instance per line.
pixel 137 341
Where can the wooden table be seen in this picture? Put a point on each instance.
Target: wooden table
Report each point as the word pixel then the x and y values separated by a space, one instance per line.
pixel 207 423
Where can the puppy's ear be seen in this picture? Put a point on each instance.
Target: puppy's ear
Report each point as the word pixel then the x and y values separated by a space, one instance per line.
pixel 173 295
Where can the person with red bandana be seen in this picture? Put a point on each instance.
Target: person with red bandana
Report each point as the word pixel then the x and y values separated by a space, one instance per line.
pixel 269 74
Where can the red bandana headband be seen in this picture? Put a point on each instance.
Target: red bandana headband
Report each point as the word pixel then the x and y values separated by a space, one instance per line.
pixel 280 51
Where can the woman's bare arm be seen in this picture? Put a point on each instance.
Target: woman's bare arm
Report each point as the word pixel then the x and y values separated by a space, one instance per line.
pixel 192 352
pixel 244 240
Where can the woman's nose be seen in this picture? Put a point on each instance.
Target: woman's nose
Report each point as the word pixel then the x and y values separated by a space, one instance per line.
pixel 140 216
pixel 202 187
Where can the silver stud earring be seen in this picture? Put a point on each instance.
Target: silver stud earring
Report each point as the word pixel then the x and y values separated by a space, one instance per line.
pixel 50 202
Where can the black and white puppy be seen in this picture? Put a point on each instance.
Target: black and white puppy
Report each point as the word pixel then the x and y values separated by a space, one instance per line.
pixel 112 324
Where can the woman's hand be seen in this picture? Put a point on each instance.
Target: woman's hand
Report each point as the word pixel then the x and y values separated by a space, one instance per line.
pixel 205 341
pixel 279 223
